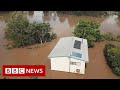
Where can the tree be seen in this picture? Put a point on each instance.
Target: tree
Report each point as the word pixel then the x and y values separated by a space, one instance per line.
pixel 38 31
pixel 15 31
pixel 21 32
pixel 89 31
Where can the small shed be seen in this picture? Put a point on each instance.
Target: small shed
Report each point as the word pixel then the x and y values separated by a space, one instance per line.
pixel 70 54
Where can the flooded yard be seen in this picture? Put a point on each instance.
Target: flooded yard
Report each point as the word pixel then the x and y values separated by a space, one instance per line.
pixel 63 25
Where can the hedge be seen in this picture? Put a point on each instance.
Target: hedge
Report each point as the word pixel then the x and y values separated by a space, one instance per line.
pixel 112 55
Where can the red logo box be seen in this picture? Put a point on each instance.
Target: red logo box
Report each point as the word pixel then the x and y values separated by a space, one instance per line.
pixel 23 70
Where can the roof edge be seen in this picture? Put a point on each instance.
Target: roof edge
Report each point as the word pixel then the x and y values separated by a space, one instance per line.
pixel 69 57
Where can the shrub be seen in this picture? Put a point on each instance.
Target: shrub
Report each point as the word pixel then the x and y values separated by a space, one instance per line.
pixel 108 36
pixel 21 32
pixel 118 38
pixel 91 40
pixel 116 71
pixel 53 36
pixel 112 55
pixel 89 31
pixel 111 37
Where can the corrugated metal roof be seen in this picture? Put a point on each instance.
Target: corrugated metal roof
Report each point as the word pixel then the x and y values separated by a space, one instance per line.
pixel 65 47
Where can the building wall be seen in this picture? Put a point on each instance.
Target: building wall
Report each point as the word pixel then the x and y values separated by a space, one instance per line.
pixel 80 65
pixel 60 64
pixel 64 64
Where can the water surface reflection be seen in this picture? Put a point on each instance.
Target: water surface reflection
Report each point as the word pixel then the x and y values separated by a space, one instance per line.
pixel 110 24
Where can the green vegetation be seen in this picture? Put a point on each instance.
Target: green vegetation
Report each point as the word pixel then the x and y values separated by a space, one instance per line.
pixel 34 77
pixel 20 32
pixel 85 13
pixel 4 78
pixel 110 37
pixel 112 55
pixel 89 31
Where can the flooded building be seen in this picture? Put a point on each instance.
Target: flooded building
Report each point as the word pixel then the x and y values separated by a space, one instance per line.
pixel 70 55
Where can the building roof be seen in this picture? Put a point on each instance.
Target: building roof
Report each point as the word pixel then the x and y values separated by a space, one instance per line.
pixel 73 47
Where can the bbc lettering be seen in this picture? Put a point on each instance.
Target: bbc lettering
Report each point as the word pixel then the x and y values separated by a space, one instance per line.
pixel 23 70
pixel 14 70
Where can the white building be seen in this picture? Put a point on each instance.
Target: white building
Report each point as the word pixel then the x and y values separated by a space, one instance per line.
pixel 70 55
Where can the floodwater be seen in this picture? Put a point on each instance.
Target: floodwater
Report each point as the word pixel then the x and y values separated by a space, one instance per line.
pixel 111 24
pixel 63 25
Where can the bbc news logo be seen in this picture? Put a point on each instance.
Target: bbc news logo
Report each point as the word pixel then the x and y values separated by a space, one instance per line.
pixel 23 70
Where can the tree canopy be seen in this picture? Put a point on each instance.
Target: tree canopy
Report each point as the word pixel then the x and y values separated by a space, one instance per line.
pixel 88 30
pixel 21 32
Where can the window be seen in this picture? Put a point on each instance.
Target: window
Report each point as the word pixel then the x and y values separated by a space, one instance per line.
pixel 77 44
pixel 76 54
pixel 75 63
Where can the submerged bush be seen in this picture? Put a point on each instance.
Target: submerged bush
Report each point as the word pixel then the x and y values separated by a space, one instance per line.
pixel 112 55
pixel 118 38
pixel 21 32
pixel 111 37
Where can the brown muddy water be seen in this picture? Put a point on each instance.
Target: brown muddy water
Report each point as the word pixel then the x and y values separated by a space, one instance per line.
pixel 63 25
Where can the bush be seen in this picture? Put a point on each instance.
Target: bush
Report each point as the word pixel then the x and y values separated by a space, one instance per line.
pixel 21 32
pixel 116 71
pixel 89 31
pixel 91 40
pixel 111 37
pixel 118 38
pixel 112 55
pixel 108 47
pixel 53 36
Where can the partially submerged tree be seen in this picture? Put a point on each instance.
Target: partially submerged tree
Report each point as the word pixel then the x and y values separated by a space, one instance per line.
pixel 88 30
pixel 21 32
pixel 17 24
